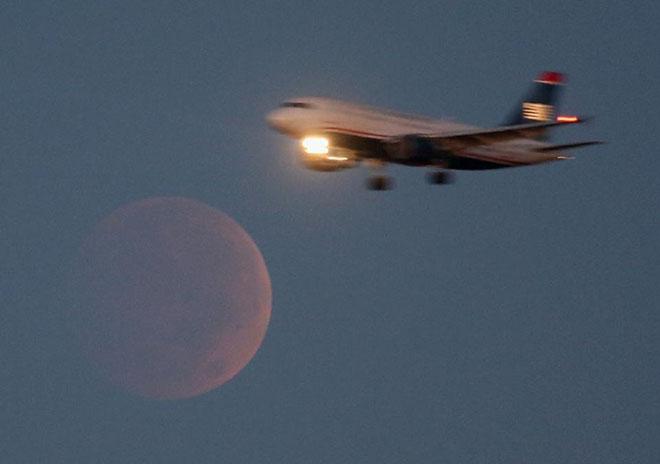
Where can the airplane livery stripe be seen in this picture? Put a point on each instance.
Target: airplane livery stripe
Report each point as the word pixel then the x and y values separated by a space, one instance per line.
pixel 355 132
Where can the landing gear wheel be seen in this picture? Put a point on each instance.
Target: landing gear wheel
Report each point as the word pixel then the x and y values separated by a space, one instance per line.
pixel 440 177
pixel 380 183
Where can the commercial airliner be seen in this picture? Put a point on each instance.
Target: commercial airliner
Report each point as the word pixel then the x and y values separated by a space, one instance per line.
pixel 336 135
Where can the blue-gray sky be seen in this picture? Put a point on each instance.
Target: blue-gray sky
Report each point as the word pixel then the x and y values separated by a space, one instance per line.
pixel 511 317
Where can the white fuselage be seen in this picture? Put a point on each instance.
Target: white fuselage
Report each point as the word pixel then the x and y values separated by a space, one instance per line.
pixel 303 117
pixel 324 114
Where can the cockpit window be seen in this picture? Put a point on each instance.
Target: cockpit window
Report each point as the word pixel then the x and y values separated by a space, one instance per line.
pixel 296 105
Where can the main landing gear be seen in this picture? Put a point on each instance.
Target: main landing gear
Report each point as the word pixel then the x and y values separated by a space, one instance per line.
pixel 380 183
pixel 440 177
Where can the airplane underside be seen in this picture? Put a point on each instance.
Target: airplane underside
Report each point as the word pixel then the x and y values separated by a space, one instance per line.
pixel 460 164
pixel 374 149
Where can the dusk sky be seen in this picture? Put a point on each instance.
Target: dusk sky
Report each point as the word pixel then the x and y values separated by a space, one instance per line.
pixel 512 317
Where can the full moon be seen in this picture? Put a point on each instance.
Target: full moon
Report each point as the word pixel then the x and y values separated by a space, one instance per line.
pixel 170 298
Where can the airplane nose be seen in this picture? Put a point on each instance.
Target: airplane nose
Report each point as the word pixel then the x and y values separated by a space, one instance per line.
pixel 274 119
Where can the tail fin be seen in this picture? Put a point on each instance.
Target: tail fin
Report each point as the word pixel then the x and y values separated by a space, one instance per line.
pixel 540 102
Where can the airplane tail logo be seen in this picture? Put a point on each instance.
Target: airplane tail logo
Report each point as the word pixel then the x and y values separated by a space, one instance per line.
pixel 537 112
pixel 540 102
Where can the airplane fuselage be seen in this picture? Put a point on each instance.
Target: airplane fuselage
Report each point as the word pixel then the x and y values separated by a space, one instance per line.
pixel 368 132
pixel 337 135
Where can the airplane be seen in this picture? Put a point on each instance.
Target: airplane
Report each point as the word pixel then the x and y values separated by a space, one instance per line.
pixel 336 135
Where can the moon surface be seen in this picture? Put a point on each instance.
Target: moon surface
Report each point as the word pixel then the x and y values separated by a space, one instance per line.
pixel 170 298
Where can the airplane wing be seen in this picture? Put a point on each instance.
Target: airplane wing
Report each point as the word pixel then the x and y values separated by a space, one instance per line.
pixel 461 140
pixel 521 155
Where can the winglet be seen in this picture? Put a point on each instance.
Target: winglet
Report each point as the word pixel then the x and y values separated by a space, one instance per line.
pixel 573 119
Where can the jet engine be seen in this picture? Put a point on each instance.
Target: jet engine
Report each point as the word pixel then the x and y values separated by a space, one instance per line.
pixel 317 154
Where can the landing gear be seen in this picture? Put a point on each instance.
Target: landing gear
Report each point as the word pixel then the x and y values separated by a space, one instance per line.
pixel 380 183
pixel 440 177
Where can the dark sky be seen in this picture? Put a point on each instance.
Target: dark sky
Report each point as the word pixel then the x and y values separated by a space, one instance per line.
pixel 513 317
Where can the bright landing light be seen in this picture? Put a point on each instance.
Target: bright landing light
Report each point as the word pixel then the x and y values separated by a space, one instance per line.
pixel 316 145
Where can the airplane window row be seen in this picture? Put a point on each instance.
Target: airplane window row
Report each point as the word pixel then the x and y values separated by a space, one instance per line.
pixel 296 105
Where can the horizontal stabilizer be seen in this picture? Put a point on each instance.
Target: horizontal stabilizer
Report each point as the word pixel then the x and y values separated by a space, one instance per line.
pixel 568 146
